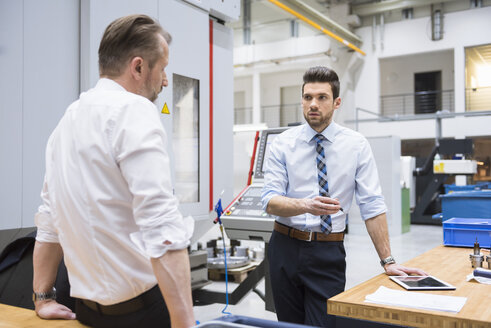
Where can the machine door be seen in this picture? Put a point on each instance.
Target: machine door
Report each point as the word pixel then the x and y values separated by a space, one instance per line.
pixel 187 99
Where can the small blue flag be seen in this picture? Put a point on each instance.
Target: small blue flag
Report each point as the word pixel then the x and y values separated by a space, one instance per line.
pixel 218 208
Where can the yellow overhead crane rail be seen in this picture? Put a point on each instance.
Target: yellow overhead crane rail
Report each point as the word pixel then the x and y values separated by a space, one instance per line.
pixel 317 26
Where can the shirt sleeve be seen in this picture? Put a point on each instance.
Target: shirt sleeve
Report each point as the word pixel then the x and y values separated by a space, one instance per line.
pixel 46 231
pixel 275 175
pixel 139 144
pixel 367 190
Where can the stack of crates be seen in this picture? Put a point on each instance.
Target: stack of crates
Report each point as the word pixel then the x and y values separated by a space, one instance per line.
pixel 466 217
pixel 450 188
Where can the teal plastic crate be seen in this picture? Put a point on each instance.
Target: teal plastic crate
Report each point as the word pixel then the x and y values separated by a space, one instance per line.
pixel 464 232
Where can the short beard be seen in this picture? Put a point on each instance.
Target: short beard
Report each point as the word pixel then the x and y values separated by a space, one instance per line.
pixel 153 97
pixel 315 124
pixel 148 92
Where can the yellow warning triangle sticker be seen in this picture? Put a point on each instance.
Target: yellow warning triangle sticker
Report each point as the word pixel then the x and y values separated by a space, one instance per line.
pixel 165 109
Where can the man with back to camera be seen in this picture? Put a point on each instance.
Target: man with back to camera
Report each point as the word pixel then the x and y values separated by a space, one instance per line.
pixel 108 206
pixel 310 176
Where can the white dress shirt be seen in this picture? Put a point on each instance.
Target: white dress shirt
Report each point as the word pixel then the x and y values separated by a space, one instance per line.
pixel 291 171
pixel 107 195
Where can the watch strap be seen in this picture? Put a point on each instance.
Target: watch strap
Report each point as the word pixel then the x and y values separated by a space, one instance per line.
pixel 388 260
pixel 51 295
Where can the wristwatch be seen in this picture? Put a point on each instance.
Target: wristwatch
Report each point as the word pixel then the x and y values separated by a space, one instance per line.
pixel 51 295
pixel 387 260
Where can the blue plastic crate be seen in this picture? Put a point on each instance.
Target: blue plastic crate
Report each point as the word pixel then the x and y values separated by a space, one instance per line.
pixel 238 321
pixel 449 188
pixel 483 185
pixel 465 231
pixel 466 204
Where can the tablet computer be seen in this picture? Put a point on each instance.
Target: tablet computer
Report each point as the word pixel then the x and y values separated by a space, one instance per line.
pixel 421 282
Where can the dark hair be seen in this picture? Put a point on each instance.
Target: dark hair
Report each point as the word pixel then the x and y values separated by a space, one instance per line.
pixel 322 74
pixel 127 37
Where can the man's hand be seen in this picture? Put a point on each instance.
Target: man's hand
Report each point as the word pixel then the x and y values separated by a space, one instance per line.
pixel 286 206
pixel 320 205
pixel 395 269
pixel 50 309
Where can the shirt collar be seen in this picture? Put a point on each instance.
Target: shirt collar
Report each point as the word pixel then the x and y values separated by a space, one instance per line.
pixel 329 132
pixel 108 84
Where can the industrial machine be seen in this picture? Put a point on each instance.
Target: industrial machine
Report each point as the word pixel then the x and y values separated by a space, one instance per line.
pixel 446 159
pixel 194 108
pixel 199 93
pixel 244 218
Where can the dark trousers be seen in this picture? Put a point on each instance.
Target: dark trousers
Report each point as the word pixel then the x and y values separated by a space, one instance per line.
pixel 303 276
pixel 153 314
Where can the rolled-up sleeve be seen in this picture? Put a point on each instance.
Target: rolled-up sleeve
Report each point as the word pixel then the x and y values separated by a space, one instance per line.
pixel 367 190
pixel 139 144
pixel 46 231
pixel 275 175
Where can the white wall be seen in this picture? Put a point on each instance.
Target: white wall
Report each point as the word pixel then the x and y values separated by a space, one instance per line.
pixel 244 84
pixel 397 73
pixel 274 52
pixel 271 92
pixel 411 37
pixel 273 82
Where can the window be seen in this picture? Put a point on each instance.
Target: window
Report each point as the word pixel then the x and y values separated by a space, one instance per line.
pixel 478 78
pixel 185 128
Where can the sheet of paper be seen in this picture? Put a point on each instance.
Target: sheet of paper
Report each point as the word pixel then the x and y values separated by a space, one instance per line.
pixel 417 300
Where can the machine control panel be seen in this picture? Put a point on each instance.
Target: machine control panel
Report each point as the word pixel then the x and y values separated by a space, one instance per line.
pixel 248 204
pixel 244 218
pixel 267 137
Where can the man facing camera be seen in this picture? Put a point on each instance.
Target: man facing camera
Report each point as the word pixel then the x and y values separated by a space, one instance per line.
pixel 310 177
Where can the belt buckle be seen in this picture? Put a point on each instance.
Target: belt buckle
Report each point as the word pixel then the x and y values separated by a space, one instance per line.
pixel 310 236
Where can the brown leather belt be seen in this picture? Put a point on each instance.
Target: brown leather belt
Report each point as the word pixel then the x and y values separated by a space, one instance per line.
pixel 307 235
pixel 126 307
pixel 115 309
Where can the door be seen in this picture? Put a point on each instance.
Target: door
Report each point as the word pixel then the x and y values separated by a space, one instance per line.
pixel 427 92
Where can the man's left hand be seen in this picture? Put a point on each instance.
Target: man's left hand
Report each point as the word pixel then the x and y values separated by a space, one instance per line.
pixel 400 270
pixel 50 309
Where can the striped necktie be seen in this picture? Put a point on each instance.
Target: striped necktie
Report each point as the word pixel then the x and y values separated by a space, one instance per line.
pixel 326 225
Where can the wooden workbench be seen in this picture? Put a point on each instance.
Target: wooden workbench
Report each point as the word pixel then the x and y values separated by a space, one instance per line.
pixel 16 317
pixel 450 264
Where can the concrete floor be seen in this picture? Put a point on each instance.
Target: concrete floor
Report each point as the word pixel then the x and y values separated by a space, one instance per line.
pixel 360 254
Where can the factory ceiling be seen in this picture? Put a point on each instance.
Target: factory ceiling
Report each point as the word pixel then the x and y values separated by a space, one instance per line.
pixel 341 17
